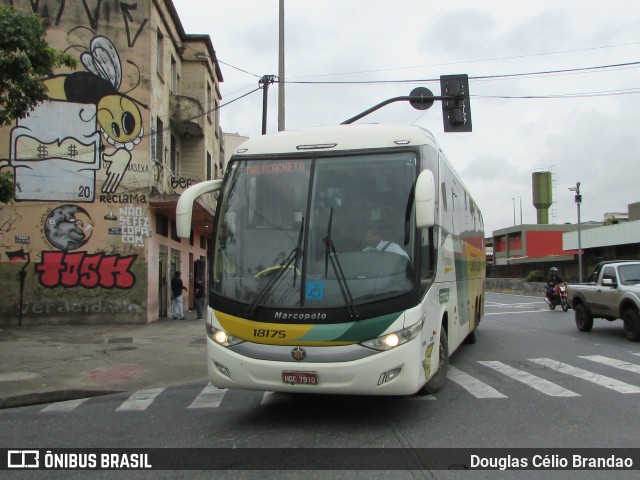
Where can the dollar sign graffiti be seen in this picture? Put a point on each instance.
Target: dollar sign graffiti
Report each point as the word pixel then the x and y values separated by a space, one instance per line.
pixel 42 151
pixel 73 151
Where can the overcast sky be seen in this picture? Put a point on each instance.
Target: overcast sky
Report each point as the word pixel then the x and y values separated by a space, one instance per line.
pixel 593 139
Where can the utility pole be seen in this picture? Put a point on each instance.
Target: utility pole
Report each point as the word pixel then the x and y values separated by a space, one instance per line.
pixel 578 199
pixel 281 126
pixel 265 81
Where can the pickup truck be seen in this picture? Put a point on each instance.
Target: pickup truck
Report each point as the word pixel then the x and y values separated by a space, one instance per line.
pixel 612 291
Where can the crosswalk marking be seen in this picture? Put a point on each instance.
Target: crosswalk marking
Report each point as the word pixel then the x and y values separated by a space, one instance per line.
pixel 212 397
pixel 612 362
pixel 472 385
pixel 140 400
pixel 209 397
pixel 540 384
pixel 596 378
pixel 426 397
pixel 66 406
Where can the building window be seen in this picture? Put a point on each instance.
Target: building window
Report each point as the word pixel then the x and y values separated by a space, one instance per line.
pixel 159 140
pixel 209 103
pixel 174 76
pixel 160 53
pixel 162 225
pixel 174 155
pixel 208 166
pixel 174 231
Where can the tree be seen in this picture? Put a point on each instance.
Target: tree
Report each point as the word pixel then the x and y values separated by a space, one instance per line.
pixel 25 60
pixel 7 188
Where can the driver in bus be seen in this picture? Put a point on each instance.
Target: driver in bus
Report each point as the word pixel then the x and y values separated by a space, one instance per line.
pixel 374 242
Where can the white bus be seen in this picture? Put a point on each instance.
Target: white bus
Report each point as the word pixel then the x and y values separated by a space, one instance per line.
pixel 300 302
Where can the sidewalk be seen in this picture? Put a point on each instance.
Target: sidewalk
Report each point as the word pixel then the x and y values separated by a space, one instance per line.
pixel 50 364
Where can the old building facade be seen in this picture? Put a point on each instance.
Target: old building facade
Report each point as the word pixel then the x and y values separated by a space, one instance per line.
pixel 90 237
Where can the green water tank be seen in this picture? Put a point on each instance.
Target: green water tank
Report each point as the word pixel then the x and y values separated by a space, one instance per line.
pixel 542 195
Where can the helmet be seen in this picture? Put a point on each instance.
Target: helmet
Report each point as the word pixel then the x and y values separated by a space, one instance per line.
pixel 553 270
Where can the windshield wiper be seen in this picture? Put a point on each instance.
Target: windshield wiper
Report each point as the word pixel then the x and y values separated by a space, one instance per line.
pixel 330 254
pixel 293 257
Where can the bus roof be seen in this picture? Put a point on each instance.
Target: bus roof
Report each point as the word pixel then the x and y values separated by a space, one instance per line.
pixel 337 138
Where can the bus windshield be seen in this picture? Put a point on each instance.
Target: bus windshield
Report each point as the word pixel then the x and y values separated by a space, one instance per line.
pixel 316 233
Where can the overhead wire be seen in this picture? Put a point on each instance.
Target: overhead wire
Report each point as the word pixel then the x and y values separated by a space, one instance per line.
pixel 477 77
pixel 462 62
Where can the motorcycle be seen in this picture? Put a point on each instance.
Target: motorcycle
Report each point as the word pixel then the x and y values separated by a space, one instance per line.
pixel 558 296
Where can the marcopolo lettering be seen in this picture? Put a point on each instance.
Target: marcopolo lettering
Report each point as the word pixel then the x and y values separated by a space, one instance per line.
pixel 300 316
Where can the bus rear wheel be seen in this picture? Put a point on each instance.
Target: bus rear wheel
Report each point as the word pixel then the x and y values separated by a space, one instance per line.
pixel 436 382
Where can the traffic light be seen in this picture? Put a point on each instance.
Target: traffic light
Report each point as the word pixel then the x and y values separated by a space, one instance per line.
pixel 456 113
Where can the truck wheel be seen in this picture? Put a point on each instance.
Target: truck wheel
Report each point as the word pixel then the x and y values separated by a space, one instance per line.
pixel 584 321
pixel 438 380
pixel 632 324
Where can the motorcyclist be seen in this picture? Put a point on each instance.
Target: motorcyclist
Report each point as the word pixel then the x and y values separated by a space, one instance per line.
pixel 554 279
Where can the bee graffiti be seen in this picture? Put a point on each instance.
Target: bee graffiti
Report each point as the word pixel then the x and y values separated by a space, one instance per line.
pixel 118 114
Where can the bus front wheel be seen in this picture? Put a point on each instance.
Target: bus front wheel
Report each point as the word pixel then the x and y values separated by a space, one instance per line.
pixel 438 380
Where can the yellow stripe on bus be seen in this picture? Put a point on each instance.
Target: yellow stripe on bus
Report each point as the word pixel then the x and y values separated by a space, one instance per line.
pixel 272 333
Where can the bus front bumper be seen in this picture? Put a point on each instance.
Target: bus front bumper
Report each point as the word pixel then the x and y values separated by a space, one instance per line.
pixel 398 371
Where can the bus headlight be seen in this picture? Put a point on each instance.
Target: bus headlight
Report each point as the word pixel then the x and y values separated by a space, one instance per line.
pixel 392 340
pixel 221 337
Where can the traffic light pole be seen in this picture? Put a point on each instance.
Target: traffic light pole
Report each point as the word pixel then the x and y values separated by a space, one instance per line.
pixel 265 81
pixel 456 109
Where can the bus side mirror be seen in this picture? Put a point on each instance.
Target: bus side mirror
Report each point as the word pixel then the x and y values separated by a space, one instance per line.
pixel 184 209
pixel 425 200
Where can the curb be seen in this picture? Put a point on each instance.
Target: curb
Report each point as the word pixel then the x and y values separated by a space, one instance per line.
pixel 31 399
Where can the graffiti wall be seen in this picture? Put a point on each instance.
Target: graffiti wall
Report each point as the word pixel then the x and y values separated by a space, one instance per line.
pixel 73 245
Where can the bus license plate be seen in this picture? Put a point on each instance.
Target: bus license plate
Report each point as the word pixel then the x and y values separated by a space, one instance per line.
pixel 302 378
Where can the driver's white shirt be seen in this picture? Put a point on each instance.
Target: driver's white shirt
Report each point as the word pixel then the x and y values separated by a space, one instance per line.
pixel 389 247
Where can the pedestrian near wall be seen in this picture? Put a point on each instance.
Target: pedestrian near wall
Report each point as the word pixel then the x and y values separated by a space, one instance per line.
pixel 176 296
pixel 199 298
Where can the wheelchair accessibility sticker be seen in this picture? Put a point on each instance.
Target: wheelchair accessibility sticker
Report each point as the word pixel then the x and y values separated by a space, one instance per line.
pixel 315 290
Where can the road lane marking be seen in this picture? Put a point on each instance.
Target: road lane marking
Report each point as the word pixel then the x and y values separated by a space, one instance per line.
pixel 540 384
pixel 519 312
pixel 209 397
pixel 472 385
pixel 612 362
pixel 140 400
pixel 66 406
pixel 596 378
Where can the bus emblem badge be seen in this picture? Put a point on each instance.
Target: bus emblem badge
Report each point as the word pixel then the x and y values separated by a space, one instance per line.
pixel 298 354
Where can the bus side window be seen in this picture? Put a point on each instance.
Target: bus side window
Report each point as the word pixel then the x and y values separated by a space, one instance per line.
pixel 427 257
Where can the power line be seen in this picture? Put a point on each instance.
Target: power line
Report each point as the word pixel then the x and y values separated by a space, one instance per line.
pixel 605 93
pixel 463 62
pixel 478 77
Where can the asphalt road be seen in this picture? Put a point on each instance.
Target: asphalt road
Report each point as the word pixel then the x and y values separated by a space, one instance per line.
pixel 532 380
